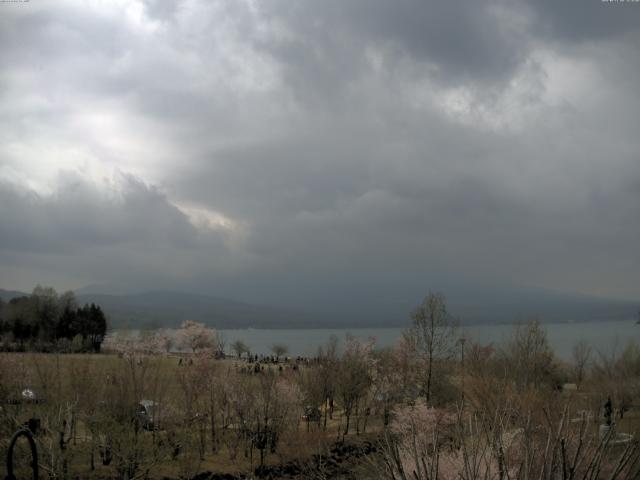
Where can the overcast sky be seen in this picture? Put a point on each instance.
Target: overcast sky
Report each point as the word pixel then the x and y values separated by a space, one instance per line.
pixel 305 152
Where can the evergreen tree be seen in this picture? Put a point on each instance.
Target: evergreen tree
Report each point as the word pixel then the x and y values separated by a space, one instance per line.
pixel 47 317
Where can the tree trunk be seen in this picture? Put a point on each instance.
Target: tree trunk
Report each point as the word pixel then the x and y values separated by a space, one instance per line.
pixel 429 370
pixel 346 429
pixel 430 353
pixel 214 440
pixel 326 412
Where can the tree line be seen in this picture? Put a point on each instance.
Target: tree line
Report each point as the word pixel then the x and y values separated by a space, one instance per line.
pixel 46 321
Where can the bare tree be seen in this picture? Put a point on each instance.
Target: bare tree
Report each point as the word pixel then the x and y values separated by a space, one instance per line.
pixel 581 356
pixel 529 357
pixel 239 347
pixel 353 378
pixel 616 372
pixel 432 333
pixel 279 349
pixel 312 391
pixel 326 373
pixel 220 345
pixel 276 410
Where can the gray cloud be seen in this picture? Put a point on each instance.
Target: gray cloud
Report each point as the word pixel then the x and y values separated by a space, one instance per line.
pixel 77 215
pixel 456 40
pixel 316 152
pixel 593 20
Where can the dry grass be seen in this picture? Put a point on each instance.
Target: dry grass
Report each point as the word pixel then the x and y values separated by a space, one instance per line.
pixel 56 378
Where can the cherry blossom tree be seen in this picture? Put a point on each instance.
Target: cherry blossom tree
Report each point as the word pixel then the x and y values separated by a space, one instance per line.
pixel 156 343
pixel 196 336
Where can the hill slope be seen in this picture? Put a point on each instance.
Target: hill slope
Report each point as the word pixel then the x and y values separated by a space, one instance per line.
pixel 7 295
pixel 158 308
pixel 476 306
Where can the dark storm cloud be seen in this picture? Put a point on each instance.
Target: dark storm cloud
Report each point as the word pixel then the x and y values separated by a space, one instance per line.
pixel 302 152
pixel 459 39
pixel 121 231
pixel 78 216
pixel 415 214
pixel 580 20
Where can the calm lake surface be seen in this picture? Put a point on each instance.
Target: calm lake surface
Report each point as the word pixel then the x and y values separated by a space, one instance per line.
pixel 602 336
pixel 605 337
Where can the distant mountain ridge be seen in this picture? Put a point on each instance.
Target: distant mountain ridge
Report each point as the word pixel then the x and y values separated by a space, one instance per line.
pixel 7 295
pixel 170 309
pixel 162 308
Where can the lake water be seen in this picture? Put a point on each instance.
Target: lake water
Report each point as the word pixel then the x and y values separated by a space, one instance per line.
pixel 602 336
